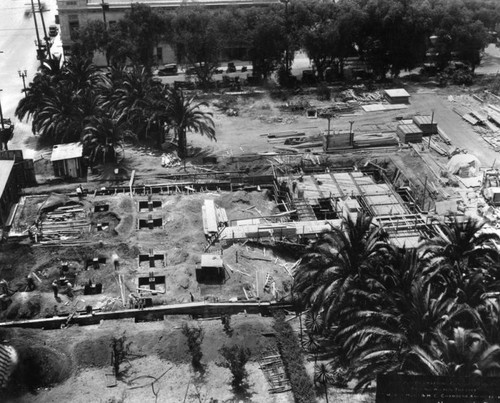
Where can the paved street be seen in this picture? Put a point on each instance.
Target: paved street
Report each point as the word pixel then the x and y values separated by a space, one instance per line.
pixel 17 41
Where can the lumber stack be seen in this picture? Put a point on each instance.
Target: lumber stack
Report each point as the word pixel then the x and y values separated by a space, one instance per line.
pixel 214 217
pixel 64 223
pixel 374 140
pixel 409 133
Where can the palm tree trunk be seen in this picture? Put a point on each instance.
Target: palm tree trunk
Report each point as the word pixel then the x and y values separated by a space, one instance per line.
pixel 182 145
pixel 326 392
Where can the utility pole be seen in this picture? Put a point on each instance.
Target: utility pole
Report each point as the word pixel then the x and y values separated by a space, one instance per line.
pixel 1 116
pixel 47 39
pixel 39 50
pixel 23 75
pixel 105 7
pixel 287 61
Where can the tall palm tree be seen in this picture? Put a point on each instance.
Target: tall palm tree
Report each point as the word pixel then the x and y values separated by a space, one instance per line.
pixel 187 116
pixel 332 266
pixel 323 375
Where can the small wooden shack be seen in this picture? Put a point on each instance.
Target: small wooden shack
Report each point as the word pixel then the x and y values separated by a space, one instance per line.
pixel 8 190
pixel 426 124
pixel 397 96
pixel 409 133
pixel 211 270
pixel 67 160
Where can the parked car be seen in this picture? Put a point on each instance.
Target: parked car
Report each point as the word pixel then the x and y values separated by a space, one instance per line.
pixel 231 68
pixel 53 30
pixel 168 70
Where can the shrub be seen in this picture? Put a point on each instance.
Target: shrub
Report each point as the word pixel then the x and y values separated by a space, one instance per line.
pixel 291 353
pixel 236 358
pixel 323 92
pixel 194 337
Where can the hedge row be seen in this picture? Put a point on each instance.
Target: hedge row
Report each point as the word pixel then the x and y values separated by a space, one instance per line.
pixel 291 354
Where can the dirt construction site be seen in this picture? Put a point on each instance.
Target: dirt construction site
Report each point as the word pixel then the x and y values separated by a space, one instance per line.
pixel 153 243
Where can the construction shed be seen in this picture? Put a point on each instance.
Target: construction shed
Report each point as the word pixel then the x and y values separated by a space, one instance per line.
pixel 426 123
pixel 397 96
pixel 211 270
pixel 8 189
pixel 67 160
pixel 409 133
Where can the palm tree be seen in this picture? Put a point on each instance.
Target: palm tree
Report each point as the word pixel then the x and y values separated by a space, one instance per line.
pixel 185 115
pixel 334 265
pixel 462 245
pixel 103 136
pixel 138 100
pixel 322 375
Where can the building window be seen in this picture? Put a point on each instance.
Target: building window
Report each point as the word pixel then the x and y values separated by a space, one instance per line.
pixel 74 26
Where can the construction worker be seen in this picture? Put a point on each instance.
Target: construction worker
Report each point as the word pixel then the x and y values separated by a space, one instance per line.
pixel 4 294
pixel 30 283
pixel 79 192
pixel 69 290
pixel 55 289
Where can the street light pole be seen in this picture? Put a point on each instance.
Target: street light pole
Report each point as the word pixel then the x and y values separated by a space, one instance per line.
pixel 23 75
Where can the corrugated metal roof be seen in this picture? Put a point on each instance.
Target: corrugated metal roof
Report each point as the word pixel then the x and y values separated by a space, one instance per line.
pixel 66 151
pixel 398 92
pixel 5 170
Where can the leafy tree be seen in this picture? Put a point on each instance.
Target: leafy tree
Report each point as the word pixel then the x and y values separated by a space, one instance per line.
pixel 198 41
pixel 235 357
pixel 185 115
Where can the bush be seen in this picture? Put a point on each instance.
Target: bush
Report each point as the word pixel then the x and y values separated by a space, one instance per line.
pixel 291 353
pixel 194 337
pixel 236 358
pixel 323 92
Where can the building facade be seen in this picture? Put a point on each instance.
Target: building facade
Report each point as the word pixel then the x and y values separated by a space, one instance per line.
pixel 74 14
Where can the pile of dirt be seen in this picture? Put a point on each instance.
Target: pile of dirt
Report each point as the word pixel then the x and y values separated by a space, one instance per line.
pixel 40 367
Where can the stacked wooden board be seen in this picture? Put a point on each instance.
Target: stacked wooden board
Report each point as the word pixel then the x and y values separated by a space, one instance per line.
pixel 213 217
pixel 342 139
pixel 409 133
pixel 65 222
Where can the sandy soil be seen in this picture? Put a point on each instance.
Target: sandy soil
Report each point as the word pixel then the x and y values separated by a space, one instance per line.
pixel 76 362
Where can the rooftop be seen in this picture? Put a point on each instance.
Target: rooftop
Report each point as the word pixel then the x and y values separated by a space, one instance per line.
pixel 5 169
pixel 398 92
pixel 66 151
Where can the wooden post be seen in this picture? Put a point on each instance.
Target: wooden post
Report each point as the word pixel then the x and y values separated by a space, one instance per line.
pixel 423 196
